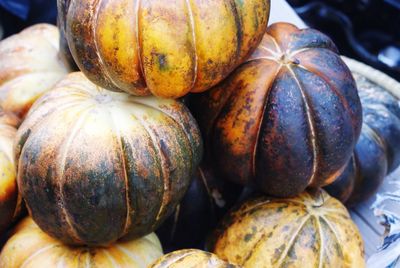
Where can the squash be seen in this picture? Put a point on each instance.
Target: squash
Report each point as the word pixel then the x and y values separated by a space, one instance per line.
pixel 309 230
pixel 377 152
pixel 148 47
pixel 287 118
pixel 29 66
pixel 10 201
pixel 30 247
pixel 190 258
pixel 65 53
pixel 206 201
pixel 96 165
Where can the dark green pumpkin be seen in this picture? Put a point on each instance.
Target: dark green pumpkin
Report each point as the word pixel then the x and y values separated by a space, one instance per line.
pixel 65 53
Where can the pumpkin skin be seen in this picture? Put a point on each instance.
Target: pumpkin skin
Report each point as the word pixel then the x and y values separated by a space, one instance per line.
pixel 116 166
pixel 10 201
pixel 310 230
pixel 287 118
pixel 30 247
pixel 377 152
pixel 29 66
pixel 65 53
pixel 147 47
pixel 190 258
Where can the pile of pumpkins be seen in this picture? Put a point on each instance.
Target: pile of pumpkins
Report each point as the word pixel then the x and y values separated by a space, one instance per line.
pixel 103 157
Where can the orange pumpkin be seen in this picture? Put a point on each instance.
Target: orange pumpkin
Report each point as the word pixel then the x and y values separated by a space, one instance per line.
pixel 168 50
pixel 10 201
pixel 287 118
pixel 29 66
pixel 30 247
pixel 96 165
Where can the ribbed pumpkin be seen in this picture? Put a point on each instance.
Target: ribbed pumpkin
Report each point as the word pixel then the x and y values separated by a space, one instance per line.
pixel 190 258
pixel 10 201
pixel 96 165
pixel 168 50
pixel 287 118
pixel 30 247
pixel 310 230
pixel 29 66
pixel 377 152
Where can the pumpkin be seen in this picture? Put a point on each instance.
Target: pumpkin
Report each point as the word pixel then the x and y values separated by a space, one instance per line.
pixel 190 258
pixel 207 199
pixel 377 152
pixel 309 230
pixel 287 118
pixel 65 53
pixel 29 66
pixel 10 201
pixel 96 165
pixel 148 47
pixel 30 247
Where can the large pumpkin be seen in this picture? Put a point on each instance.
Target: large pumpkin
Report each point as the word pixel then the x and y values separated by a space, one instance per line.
pixel 96 165
pixel 190 258
pixel 310 230
pixel 287 118
pixel 168 50
pixel 30 247
pixel 377 152
pixel 29 66
pixel 10 201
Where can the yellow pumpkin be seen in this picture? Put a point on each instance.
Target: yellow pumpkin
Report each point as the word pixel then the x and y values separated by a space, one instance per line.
pixel 29 66
pixel 30 247
pixel 166 49
pixel 310 230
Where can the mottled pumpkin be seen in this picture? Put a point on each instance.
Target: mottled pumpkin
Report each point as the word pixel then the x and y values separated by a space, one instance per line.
pixel 309 230
pixel 96 165
pixel 10 201
pixel 29 66
pixel 168 50
pixel 30 247
pixel 65 53
pixel 287 118
pixel 191 258
pixel 377 152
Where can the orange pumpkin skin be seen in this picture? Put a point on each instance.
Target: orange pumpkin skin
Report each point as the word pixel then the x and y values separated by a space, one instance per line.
pixel 309 230
pixel 29 66
pixel 10 201
pixel 287 118
pixel 148 47
pixel 30 247
pixel 190 258
pixel 96 165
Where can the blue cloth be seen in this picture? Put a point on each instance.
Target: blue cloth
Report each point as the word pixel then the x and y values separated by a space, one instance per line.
pixel 19 8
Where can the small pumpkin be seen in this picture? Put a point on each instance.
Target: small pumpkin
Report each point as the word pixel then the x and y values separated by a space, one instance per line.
pixel 148 47
pixel 29 66
pixel 377 152
pixel 10 201
pixel 285 119
pixel 96 165
pixel 309 230
pixel 190 258
pixel 30 247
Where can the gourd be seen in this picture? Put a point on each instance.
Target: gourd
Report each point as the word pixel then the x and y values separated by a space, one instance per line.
pixel 309 230
pixel 10 200
pixel 377 152
pixel 29 66
pixel 96 165
pixel 148 47
pixel 190 258
pixel 30 247
pixel 287 118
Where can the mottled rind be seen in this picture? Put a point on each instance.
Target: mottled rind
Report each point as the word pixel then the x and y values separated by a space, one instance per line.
pixel 29 66
pixel 191 258
pixel 310 230
pixel 96 165
pixel 30 247
pixel 287 118
pixel 147 47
